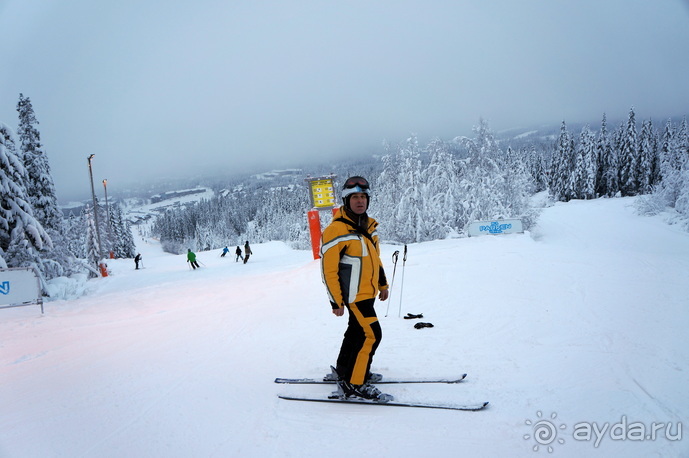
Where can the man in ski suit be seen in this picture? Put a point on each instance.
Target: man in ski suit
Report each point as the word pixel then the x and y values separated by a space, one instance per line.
pixel 353 275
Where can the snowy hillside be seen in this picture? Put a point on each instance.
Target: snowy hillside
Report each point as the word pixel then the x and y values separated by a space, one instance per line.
pixel 579 326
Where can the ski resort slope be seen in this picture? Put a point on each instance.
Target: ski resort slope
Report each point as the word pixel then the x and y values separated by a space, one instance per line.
pixel 575 332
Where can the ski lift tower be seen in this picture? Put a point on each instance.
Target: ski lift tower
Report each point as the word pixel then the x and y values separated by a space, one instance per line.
pixel 321 192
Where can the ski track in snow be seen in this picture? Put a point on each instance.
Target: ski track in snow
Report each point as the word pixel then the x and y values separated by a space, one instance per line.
pixel 583 318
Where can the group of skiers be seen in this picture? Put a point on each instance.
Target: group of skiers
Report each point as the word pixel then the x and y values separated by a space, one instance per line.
pixel 238 253
pixel 194 263
pixel 191 256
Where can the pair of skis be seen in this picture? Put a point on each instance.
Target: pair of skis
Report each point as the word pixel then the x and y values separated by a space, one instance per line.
pixel 336 398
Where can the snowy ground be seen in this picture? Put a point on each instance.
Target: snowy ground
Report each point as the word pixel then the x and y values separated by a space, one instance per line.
pixel 580 323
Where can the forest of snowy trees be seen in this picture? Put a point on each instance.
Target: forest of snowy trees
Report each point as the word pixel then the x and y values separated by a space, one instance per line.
pixel 420 192
pixel 430 192
pixel 33 230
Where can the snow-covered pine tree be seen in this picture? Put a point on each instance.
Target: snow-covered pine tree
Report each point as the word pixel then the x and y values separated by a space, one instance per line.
pixel 93 255
pixel 518 187
pixel 562 167
pixel 124 246
pixel 675 167
pixel 441 178
pixel 57 259
pixel 629 158
pixel 537 168
pixel 683 141
pixel 410 215
pixel 680 184
pixel 585 166
pixel 21 234
pixel 648 171
pixel 386 191
pixel 75 234
pixel 483 187
pixel 608 163
pixel 39 184
pixel 399 194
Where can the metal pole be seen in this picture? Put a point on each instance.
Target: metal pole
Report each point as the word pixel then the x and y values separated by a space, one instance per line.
pixel 95 209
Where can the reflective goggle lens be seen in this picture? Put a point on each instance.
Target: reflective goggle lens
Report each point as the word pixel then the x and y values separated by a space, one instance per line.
pixel 356 181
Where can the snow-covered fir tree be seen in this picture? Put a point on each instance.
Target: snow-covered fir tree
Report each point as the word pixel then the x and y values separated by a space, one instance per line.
pixel 493 184
pixel 673 163
pixel 75 234
pixel 561 176
pixel 649 167
pixel 21 234
pixel 629 158
pixel 443 198
pixel 408 217
pixel 57 259
pixel 93 254
pixel 123 240
pixel 519 186
pixel 537 167
pixel 387 190
pixel 481 183
pixel 607 177
pixel 585 166
pixel 39 183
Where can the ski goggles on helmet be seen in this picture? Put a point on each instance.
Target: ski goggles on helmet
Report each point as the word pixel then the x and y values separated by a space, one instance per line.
pixel 354 185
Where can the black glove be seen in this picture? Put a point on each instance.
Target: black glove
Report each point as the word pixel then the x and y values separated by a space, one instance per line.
pixel 423 325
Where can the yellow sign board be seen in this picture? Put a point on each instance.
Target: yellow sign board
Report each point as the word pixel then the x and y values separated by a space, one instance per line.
pixel 322 195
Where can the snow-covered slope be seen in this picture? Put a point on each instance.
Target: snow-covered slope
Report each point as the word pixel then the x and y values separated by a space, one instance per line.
pixel 582 321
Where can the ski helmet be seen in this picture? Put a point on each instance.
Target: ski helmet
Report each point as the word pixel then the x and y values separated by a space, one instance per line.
pixel 353 185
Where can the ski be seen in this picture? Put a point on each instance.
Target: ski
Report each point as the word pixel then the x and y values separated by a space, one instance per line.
pixel 422 405
pixel 313 381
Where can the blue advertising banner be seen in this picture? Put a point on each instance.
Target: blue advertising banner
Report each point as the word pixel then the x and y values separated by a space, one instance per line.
pixel 495 227
pixel 19 286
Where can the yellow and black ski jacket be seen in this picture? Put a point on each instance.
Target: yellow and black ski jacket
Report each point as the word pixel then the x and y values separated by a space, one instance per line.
pixel 350 261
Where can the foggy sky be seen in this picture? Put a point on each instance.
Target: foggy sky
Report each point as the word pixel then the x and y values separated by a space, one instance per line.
pixel 175 88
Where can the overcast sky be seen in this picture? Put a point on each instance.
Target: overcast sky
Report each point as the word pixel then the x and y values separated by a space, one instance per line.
pixel 159 88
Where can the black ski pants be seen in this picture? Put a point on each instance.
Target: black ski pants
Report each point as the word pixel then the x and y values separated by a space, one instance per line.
pixel 361 339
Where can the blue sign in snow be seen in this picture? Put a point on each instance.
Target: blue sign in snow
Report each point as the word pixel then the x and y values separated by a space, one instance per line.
pixel 495 228
pixel 5 287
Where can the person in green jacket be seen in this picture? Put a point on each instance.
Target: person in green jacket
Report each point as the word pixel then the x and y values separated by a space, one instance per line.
pixel 191 258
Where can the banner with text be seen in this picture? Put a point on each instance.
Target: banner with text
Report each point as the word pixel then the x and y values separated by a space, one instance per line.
pixel 19 286
pixel 500 226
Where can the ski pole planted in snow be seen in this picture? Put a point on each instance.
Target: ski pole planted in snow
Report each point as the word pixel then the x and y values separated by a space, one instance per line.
pixel 404 261
pixel 395 255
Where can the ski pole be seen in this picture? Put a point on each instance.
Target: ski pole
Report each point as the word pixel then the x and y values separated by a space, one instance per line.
pixel 395 255
pixel 404 261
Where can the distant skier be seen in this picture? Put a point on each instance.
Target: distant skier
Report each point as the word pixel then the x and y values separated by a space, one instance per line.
pixel 238 252
pixel 247 251
pixel 224 252
pixel 137 259
pixel 191 259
